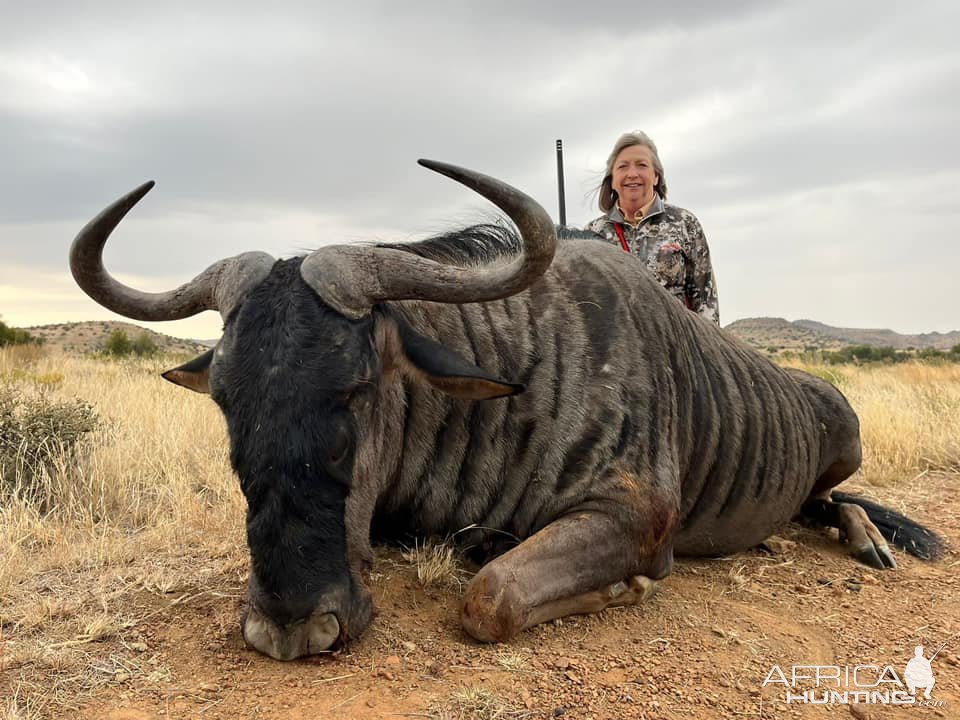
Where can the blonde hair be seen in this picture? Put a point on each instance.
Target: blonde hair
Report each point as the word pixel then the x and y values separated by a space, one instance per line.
pixel 608 196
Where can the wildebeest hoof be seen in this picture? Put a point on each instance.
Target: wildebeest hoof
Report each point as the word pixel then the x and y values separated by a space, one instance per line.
pixel 634 591
pixel 876 556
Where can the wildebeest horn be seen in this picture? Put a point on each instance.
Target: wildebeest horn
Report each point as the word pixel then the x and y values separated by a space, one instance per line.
pixel 353 278
pixel 218 287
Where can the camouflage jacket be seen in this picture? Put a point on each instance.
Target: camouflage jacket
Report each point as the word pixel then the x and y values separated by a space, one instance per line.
pixel 671 242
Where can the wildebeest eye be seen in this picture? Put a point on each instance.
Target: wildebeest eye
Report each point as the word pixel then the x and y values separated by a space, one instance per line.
pixel 341 446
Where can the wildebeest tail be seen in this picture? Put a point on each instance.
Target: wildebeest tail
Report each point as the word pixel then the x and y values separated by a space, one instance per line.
pixel 898 529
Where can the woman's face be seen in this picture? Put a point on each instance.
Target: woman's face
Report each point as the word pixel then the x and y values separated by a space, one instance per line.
pixel 634 178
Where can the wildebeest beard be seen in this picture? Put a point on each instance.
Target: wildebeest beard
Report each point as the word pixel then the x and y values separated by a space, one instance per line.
pixel 286 372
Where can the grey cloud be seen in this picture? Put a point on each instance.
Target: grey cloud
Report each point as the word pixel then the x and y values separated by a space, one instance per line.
pixel 243 114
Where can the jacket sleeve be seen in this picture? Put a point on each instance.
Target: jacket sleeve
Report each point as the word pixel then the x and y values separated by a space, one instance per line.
pixel 602 227
pixel 702 287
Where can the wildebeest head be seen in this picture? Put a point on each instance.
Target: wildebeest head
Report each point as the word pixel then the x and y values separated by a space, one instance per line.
pixel 296 374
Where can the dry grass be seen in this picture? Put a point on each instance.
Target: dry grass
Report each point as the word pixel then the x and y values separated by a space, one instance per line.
pixel 148 515
pixel 909 417
pixel 475 703
pixel 437 564
pixel 149 508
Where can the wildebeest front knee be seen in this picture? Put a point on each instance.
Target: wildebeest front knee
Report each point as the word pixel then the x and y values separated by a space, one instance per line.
pixel 492 610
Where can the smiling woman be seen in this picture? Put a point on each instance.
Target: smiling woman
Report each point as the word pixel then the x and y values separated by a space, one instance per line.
pixel 668 238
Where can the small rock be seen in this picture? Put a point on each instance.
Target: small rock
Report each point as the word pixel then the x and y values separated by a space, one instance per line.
pixel 121 677
pixel 409 647
pixel 859 713
pixel 779 545
pixel 371 703
pixel 393 660
pixel 561 663
pixel 558 712
pixel 138 646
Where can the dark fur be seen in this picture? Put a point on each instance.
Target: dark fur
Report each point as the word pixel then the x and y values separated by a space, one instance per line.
pixel 283 393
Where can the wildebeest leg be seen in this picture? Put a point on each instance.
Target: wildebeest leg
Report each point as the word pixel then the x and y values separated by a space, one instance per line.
pixel 867 544
pixel 581 563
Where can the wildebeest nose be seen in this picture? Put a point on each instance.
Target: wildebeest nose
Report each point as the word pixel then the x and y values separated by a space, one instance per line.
pixel 315 635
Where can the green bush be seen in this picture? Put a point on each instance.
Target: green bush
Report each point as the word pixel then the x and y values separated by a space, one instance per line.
pixel 858 354
pixel 120 345
pixel 36 433
pixel 932 355
pixel 15 336
pixel 144 346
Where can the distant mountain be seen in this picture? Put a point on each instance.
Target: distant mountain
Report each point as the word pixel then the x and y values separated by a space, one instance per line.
pixel 781 334
pixel 89 336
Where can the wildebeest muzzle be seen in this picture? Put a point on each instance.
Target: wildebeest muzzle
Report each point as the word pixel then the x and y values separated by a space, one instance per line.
pixel 306 625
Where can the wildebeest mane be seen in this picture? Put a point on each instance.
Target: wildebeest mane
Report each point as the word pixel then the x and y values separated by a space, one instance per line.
pixel 474 245
pixel 477 244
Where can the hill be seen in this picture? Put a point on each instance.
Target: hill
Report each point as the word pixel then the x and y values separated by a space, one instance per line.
pixel 800 334
pixel 763 333
pixel 89 336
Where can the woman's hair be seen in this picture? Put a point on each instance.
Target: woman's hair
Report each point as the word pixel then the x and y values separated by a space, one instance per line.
pixel 608 196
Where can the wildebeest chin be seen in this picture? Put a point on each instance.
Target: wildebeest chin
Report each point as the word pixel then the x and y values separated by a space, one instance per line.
pixel 500 380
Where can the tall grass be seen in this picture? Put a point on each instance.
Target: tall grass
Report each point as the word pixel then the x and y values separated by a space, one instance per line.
pixel 128 510
pixel 909 416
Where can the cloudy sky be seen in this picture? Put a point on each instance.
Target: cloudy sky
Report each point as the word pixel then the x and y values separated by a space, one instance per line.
pixel 816 141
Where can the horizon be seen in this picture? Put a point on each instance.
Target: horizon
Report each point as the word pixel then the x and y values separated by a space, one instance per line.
pixel 819 157
pixel 162 328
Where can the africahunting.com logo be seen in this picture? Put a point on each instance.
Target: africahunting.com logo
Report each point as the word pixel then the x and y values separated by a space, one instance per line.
pixel 859 684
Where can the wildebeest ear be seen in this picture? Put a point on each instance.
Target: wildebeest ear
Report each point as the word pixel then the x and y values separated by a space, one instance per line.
pixel 194 375
pixel 447 371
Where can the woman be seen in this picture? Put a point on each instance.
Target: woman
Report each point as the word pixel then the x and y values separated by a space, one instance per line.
pixel 667 238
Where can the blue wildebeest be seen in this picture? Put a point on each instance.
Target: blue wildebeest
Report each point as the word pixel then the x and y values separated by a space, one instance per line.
pixel 499 380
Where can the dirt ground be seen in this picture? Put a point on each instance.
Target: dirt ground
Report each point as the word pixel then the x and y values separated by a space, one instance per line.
pixel 700 647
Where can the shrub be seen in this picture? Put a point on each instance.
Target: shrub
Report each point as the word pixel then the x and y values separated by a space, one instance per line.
pixel 36 434
pixel 932 355
pixel 15 336
pixel 144 346
pixel 120 345
pixel 858 354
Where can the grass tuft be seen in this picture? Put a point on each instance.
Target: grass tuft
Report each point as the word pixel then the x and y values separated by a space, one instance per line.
pixel 475 703
pixel 437 564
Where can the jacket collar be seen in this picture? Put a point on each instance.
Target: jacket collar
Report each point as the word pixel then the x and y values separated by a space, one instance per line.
pixel 655 209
